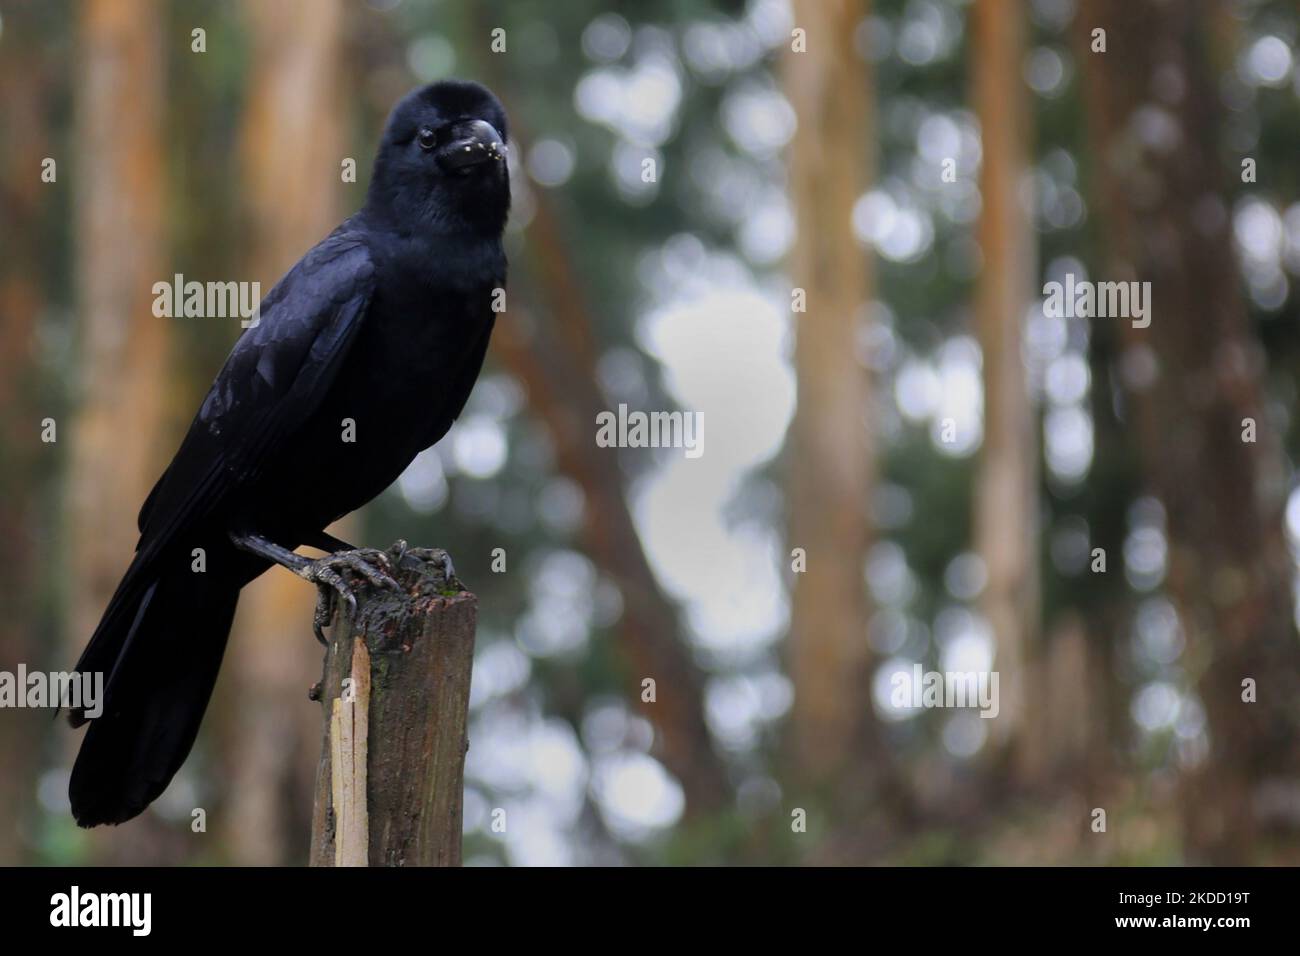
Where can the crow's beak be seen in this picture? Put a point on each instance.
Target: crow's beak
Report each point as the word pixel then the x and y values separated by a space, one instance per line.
pixel 472 143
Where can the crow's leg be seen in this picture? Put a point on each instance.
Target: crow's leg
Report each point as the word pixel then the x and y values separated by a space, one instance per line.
pixel 327 573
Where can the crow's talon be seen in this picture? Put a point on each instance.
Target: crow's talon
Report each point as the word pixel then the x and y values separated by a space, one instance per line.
pixel 327 573
pixel 324 613
pixel 439 557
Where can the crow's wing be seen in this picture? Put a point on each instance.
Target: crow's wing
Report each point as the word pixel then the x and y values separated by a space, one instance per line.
pixel 276 376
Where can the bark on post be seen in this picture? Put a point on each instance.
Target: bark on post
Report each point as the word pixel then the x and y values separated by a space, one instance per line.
pixel 389 786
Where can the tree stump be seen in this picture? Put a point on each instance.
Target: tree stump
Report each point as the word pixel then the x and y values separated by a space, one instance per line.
pixel 395 695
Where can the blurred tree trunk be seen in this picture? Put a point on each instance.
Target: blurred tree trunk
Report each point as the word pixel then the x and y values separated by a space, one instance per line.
pixel 1106 601
pixel 1006 491
pixel 124 349
pixel 1153 107
pixel 24 459
pixel 119 180
pixel 831 468
pixel 292 145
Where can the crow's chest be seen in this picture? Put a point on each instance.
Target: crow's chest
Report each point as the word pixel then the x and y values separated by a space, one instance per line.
pixel 404 364
pixel 392 398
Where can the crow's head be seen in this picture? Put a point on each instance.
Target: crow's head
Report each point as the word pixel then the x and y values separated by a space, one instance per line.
pixel 442 160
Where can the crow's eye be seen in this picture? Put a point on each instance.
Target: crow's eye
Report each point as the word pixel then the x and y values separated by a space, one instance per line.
pixel 427 138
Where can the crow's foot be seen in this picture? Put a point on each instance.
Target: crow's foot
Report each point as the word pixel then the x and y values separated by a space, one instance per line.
pixel 331 576
pixel 431 555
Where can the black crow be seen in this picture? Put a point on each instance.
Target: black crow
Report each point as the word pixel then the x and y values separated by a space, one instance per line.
pixel 364 354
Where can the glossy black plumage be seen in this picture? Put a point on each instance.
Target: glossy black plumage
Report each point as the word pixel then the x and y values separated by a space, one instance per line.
pixel 384 323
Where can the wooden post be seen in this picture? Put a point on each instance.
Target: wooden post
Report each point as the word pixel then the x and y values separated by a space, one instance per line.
pixel 389 786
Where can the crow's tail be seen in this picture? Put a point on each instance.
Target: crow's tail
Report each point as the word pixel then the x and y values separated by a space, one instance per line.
pixel 159 647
